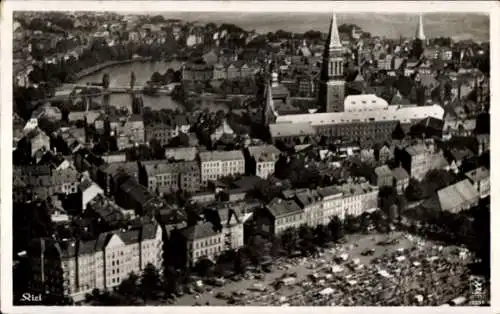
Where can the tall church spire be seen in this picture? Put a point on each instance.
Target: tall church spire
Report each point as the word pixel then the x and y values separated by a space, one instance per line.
pixel 270 113
pixel 420 28
pixel 332 80
pixel 333 36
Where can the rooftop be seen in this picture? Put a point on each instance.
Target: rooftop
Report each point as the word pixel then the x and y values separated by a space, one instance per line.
pixel 404 114
pixel 221 155
pixel 281 208
pixel 156 167
pixel 136 191
pixel 478 174
pixel 199 231
pixel 400 173
pixel 455 195
pixel 181 153
pixel 291 129
pixel 383 171
pixel 264 152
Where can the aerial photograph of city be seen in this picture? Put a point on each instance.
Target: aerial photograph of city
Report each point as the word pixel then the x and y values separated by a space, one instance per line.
pixel 250 159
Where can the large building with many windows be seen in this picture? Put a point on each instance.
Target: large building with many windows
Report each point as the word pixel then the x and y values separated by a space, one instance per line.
pixel 102 263
pixel 218 164
pixel 365 117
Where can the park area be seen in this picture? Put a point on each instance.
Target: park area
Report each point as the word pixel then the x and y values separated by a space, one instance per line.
pixel 366 270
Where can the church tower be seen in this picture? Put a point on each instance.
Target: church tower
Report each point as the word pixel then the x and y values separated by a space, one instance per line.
pixel 419 41
pixel 332 81
pixel 269 112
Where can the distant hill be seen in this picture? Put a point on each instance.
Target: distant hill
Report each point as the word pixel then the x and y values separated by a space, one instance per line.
pixel 462 25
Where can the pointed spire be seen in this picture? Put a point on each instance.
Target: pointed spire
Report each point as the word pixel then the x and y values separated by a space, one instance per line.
pixel 333 37
pixel 269 98
pixel 270 113
pixel 420 28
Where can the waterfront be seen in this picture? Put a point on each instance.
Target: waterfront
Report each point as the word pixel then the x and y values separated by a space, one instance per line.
pixel 119 75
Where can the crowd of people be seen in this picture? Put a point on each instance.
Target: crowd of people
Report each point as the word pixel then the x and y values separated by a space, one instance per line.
pixel 424 274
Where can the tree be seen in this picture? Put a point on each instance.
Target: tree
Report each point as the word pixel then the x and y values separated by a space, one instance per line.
pixel 414 191
pixel 290 240
pixel 322 235
pixel 336 228
pixel 128 288
pixel 388 199
pixel 156 77
pixel 170 280
pixel 105 80
pixel 150 282
pixel 239 262
pixel 204 267
pixel 132 80
pixel 257 248
pixel 436 179
pixel 306 240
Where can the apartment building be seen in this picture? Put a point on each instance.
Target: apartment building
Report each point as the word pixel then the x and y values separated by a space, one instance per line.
pixel 262 160
pixel 164 177
pixel 417 159
pixel 358 197
pixel 331 203
pixel 310 202
pixel 218 164
pixel 382 176
pixel 64 181
pixel 202 241
pixel 285 214
pixel 102 263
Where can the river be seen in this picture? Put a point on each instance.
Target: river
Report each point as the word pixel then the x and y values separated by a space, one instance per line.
pixel 119 75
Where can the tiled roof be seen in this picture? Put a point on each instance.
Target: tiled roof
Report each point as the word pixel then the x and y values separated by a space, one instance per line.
pixel 455 195
pixel 148 231
pixel 86 247
pixel 156 167
pixel 130 236
pixel 461 154
pixel 221 155
pixel 199 231
pixel 478 174
pixel 280 208
pixel 416 149
pixel 264 152
pixel 356 188
pixel 328 191
pixel 306 198
pixel 383 171
pixel 85 184
pixel 130 167
pixel 400 173
pixel 291 129
pixel 181 153
pixel 136 191
pixel 439 162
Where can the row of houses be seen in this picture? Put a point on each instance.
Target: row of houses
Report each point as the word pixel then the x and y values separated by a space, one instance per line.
pixel 316 207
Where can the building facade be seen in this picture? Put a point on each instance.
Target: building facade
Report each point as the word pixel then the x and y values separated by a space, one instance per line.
pixel 262 160
pixel 218 164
